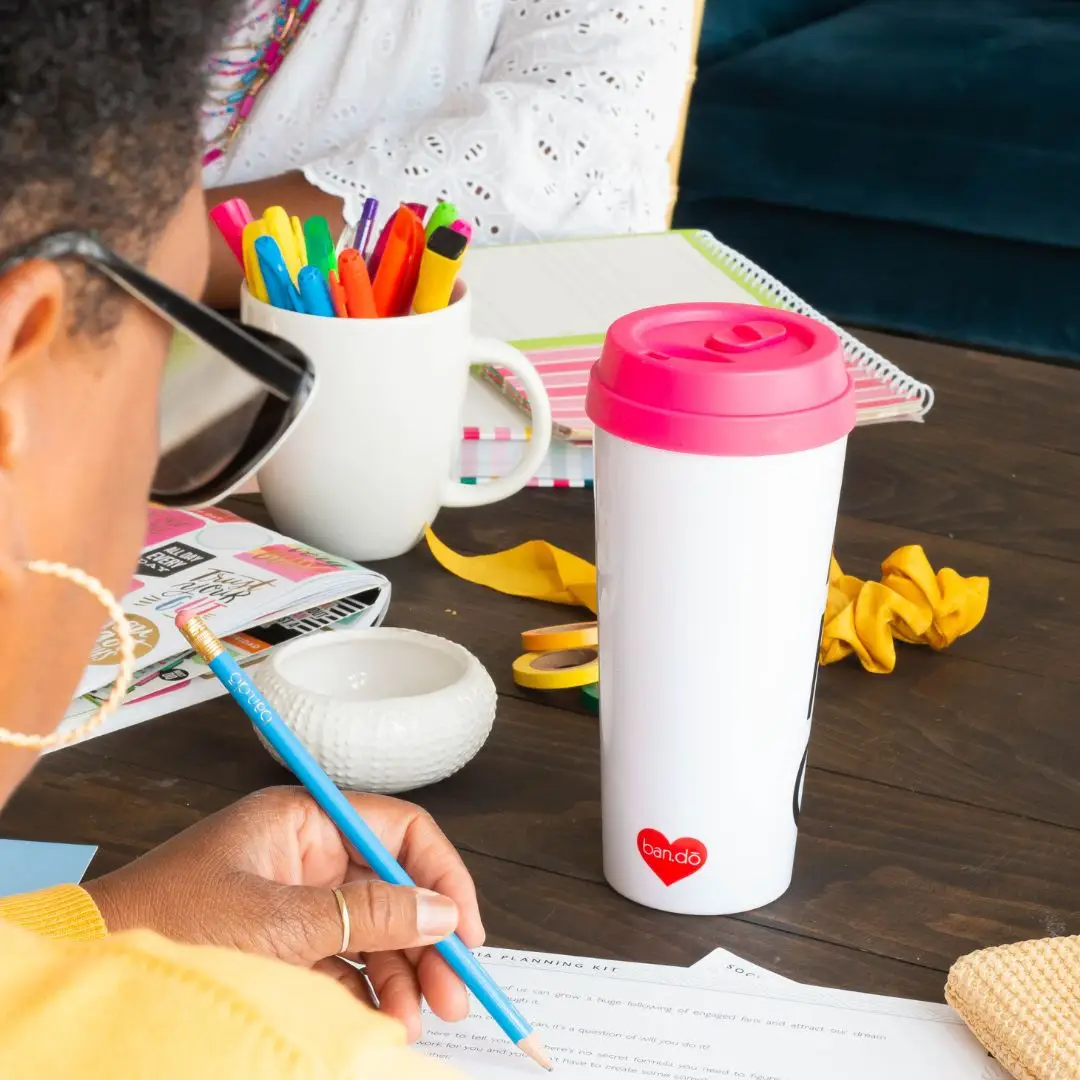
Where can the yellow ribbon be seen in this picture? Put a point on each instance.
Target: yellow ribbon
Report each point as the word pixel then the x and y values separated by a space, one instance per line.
pixel 910 603
pixel 537 570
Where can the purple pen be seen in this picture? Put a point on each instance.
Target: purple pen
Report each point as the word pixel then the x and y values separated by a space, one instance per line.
pixel 367 223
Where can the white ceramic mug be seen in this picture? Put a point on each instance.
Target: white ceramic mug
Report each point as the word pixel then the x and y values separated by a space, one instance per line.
pixel 369 464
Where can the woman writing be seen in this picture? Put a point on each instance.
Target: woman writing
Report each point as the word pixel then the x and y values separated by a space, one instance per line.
pixel 196 960
pixel 537 119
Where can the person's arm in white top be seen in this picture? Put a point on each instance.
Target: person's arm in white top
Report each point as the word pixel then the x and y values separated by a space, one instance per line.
pixel 568 133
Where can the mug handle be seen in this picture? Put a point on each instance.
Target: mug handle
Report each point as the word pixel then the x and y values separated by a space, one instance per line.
pixel 491 351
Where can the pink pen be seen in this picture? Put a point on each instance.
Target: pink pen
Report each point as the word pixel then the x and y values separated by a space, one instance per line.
pixel 462 227
pixel 230 218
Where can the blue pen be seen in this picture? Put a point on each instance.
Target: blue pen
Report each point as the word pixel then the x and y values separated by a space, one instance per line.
pixel 367 223
pixel 279 286
pixel 315 293
pixel 339 810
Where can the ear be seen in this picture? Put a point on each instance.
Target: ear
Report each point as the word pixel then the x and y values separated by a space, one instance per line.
pixel 32 298
pixel 32 309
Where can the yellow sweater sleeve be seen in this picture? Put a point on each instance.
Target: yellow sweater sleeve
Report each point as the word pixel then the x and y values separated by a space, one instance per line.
pixel 65 911
pixel 135 1005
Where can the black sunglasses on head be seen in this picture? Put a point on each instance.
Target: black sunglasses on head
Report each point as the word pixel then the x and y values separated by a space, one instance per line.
pixel 229 394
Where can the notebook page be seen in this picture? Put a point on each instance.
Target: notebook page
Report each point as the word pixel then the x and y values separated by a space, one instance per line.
pixel 580 287
pixel 602 1025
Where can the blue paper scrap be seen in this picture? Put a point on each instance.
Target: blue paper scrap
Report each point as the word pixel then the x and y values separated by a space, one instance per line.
pixel 26 866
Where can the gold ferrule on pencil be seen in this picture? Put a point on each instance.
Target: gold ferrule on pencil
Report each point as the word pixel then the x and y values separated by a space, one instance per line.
pixel 202 638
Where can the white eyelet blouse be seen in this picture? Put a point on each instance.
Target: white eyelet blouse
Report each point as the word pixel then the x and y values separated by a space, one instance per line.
pixel 539 119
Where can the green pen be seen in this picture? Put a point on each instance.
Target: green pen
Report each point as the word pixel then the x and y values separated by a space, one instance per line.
pixel 444 214
pixel 320 245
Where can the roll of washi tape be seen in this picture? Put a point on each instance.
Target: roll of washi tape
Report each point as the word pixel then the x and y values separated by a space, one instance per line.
pixel 557 670
pixel 575 635
pixel 590 697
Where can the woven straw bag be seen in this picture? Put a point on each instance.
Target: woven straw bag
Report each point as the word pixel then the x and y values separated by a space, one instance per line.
pixel 1023 1004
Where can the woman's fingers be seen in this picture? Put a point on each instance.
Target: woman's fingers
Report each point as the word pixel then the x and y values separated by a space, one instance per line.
pixel 307 924
pixel 396 983
pixel 387 917
pixel 426 854
pixel 350 977
pixel 441 988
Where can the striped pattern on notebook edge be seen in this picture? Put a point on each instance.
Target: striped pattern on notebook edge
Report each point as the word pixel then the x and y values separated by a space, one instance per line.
pixel 565 374
pixel 566 465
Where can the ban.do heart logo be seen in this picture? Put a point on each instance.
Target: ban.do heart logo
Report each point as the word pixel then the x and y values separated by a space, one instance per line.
pixel 671 860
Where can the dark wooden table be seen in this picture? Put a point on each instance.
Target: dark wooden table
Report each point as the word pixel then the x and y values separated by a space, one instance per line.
pixel 942 805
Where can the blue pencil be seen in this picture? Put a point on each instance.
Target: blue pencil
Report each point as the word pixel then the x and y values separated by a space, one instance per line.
pixel 349 823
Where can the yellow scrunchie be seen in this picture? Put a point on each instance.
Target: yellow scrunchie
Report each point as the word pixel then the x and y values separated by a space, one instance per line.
pixel 910 602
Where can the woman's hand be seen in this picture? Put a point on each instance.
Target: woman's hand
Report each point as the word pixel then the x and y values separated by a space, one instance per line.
pixel 258 876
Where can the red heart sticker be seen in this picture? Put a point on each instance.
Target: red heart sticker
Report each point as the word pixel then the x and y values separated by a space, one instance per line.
pixel 671 860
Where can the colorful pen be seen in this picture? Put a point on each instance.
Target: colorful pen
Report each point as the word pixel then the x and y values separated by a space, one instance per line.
pixel 256 286
pixel 367 223
pixel 463 227
pixel 381 242
pixel 444 214
pixel 418 208
pixel 230 217
pixel 319 243
pixel 337 295
pixel 395 263
pixel 279 226
pixel 314 292
pixel 352 827
pixel 279 285
pixel 410 273
pixel 299 242
pixel 439 270
pixel 356 285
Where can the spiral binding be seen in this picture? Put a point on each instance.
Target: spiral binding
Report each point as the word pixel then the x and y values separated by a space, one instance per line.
pixel 765 286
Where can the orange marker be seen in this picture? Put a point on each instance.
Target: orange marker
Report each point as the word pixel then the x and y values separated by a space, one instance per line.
pixel 337 295
pixel 396 265
pixel 359 300
pixel 410 275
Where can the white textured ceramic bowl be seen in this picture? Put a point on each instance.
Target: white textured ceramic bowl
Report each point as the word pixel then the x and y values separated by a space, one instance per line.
pixel 381 709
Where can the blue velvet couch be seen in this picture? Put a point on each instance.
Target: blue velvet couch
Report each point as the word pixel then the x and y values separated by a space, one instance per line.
pixel 911 165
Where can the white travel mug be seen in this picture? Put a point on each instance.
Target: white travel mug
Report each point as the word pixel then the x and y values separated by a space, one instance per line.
pixel 720 438
pixel 370 463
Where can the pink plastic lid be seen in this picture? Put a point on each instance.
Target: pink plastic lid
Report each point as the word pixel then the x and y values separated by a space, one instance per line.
pixel 722 379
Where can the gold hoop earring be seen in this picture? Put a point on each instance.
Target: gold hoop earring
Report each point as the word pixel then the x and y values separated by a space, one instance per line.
pixel 127 659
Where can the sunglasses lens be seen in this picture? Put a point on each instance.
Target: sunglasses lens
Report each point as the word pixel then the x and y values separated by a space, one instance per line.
pixel 217 422
pixel 209 407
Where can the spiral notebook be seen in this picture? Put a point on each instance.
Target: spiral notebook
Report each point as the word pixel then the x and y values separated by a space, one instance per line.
pixel 555 301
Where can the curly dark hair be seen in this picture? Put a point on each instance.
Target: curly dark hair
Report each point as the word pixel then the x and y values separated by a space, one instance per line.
pixel 99 115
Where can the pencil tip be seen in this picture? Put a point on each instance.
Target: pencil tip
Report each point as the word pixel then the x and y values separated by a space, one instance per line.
pixel 532 1046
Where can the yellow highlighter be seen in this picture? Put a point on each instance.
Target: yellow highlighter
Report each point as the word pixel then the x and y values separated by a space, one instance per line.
pixel 256 286
pixel 298 239
pixel 439 270
pixel 279 226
